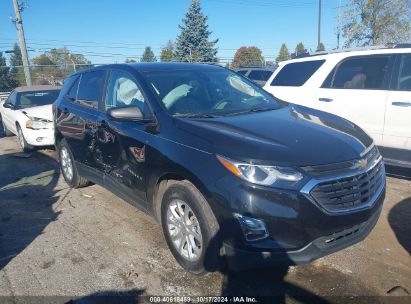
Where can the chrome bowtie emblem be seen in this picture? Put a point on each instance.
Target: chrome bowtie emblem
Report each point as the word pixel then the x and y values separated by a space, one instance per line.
pixel 362 163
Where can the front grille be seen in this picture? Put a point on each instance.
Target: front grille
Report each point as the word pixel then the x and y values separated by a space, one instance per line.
pixel 351 192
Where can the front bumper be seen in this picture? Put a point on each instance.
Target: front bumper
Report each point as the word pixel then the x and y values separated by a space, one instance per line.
pixel 41 137
pixel 240 259
pixel 299 230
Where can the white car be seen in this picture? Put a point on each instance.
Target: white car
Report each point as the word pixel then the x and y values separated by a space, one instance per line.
pixel 27 113
pixel 371 88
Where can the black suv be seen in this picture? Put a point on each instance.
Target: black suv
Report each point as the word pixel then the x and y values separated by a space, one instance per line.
pixel 231 172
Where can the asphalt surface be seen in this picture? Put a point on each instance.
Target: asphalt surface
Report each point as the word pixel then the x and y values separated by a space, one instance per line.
pixel 55 241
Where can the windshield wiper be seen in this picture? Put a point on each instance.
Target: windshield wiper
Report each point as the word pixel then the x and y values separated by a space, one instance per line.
pixel 253 110
pixel 195 115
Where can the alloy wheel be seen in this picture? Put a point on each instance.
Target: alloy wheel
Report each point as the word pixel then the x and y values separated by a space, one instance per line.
pixel 184 230
pixel 66 163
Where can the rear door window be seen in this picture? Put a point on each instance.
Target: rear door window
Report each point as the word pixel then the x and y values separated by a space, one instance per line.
pixel 360 73
pixel 297 73
pixel 90 91
pixel 242 72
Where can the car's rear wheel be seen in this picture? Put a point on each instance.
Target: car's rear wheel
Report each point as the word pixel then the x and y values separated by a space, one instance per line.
pixel 6 131
pixel 22 141
pixel 68 167
pixel 190 227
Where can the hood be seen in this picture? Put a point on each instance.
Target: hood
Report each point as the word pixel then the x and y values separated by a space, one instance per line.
pixel 290 136
pixel 43 112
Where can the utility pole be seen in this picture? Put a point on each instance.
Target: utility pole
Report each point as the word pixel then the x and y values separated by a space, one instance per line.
pixel 24 55
pixel 319 24
pixel 339 25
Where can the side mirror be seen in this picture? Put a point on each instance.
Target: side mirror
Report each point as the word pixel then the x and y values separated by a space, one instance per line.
pixel 8 105
pixel 128 113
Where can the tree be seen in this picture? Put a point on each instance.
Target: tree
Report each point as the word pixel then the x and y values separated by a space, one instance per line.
pixel 16 62
pixel 53 66
pixel 128 60
pixel 167 52
pixel 148 55
pixel 321 47
pixel 374 22
pixel 283 55
pixel 247 56
pixel 300 49
pixel 193 42
pixel 6 83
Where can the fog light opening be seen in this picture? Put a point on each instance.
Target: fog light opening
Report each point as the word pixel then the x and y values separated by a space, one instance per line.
pixel 39 139
pixel 253 229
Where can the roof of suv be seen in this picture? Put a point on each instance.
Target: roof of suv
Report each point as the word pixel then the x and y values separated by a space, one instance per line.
pixel 156 66
pixel 348 53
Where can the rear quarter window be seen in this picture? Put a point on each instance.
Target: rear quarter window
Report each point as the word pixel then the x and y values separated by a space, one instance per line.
pixel 296 74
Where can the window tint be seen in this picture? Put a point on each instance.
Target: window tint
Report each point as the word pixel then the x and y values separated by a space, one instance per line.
pixel 90 91
pixel 72 93
pixel 242 72
pixel 404 78
pixel 360 73
pixel 296 74
pixel 123 91
pixel 260 75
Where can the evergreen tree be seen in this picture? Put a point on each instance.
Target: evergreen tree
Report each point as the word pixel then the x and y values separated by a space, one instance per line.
pixel 283 55
pixel 16 61
pixel 193 42
pixel 148 55
pixel 300 49
pixel 6 84
pixel 167 52
pixel 321 47
pixel 247 56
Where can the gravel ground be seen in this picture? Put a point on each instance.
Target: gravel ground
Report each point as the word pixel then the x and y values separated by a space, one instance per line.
pixel 55 241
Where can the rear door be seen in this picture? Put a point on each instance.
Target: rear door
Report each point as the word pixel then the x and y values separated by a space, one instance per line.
pixel 78 115
pixel 357 90
pixel 397 130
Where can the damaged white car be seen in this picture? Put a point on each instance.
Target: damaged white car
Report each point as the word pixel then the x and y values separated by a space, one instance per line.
pixel 27 113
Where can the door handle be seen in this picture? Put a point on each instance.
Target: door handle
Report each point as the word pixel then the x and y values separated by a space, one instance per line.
pixel 401 103
pixel 324 99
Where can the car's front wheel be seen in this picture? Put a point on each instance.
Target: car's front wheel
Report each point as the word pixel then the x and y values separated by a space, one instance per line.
pixel 190 227
pixel 22 140
pixel 68 167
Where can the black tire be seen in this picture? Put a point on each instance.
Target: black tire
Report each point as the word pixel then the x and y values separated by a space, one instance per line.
pixel 25 147
pixel 6 131
pixel 74 180
pixel 209 260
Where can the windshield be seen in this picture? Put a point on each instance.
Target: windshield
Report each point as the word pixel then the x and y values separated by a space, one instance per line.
pixel 36 98
pixel 208 92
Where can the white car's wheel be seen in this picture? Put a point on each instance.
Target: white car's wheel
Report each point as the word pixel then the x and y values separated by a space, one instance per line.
pixel 23 143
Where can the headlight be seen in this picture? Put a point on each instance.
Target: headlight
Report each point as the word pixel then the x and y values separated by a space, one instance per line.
pixel 38 123
pixel 282 177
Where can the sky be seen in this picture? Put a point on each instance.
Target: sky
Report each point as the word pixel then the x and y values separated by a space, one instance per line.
pixel 108 31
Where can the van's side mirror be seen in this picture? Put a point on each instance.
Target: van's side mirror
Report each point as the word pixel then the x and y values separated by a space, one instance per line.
pixel 8 105
pixel 129 113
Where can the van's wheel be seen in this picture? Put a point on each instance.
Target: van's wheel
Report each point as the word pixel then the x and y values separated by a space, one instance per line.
pixel 190 228
pixel 6 131
pixel 25 147
pixel 68 167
